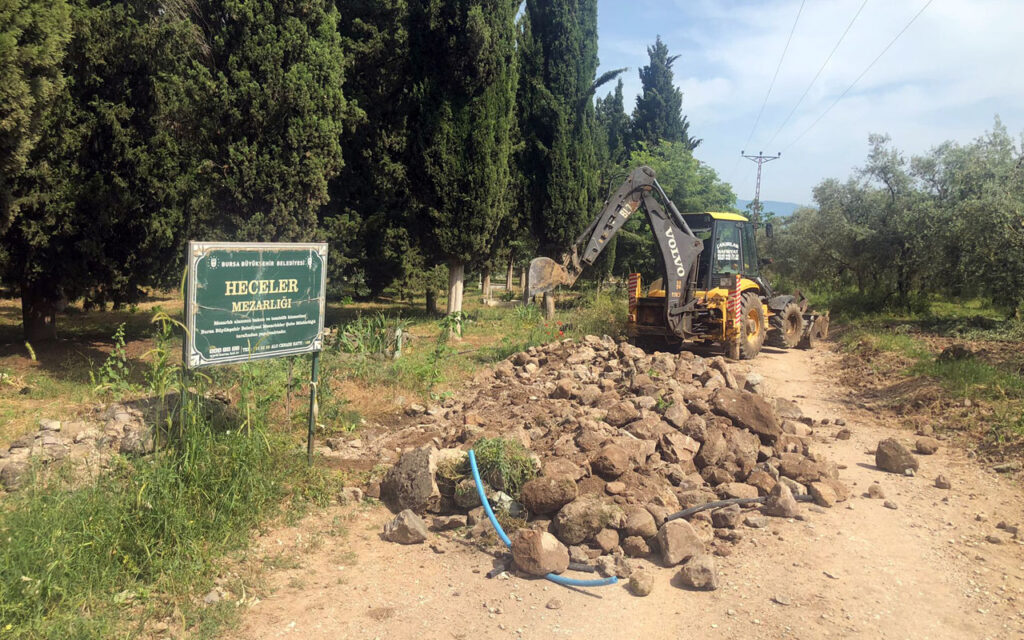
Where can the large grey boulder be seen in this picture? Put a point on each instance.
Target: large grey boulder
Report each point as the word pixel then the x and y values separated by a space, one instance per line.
pixel 410 484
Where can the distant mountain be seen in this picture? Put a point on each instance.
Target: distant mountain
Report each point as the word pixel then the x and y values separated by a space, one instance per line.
pixel 781 209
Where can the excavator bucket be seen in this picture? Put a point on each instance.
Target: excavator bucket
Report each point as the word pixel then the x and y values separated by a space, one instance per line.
pixel 545 275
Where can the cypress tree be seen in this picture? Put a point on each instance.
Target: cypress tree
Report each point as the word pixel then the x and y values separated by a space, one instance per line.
pixel 33 34
pixel 264 104
pixel 101 214
pixel 659 109
pixel 369 221
pixel 464 82
pixel 614 125
pixel 558 58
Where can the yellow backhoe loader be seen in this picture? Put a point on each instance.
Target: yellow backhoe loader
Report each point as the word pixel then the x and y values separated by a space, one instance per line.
pixel 711 289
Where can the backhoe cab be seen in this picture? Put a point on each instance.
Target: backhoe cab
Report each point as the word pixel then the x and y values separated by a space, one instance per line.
pixel 701 255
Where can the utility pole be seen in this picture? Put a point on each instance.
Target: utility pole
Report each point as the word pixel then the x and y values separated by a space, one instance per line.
pixel 760 159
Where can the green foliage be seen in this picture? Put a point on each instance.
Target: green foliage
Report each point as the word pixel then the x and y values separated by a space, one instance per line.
pixel 33 35
pixel 100 213
pixel 464 79
pixel 370 221
pixel 266 115
pixel 147 534
pixel 505 465
pixel 557 162
pixel 950 222
pixel 659 109
pixel 370 334
pixel 114 374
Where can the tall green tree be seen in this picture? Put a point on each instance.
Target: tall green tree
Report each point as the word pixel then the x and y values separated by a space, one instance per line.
pixel 101 213
pixel 614 126
pixel 33 34
pixel 558 57
pixel 265 116
pixel 659 109
pixel 465 79
pixel 369 219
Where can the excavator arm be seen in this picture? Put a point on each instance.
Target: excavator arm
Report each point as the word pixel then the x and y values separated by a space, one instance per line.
pixel 677 245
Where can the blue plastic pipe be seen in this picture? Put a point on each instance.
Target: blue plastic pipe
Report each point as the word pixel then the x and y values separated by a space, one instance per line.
pixel 553 577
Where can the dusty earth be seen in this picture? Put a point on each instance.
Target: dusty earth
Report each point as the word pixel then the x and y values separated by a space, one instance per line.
pixel 860 570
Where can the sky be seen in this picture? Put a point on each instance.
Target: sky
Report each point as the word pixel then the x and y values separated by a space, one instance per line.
pixel 946 78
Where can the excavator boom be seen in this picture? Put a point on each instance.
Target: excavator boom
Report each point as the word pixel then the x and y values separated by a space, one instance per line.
pixel 677 245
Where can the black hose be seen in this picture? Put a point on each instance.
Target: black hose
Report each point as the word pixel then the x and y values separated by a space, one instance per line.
pixel 686 513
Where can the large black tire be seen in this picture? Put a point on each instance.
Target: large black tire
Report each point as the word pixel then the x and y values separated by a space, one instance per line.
pixel 788 327
pixel 753 326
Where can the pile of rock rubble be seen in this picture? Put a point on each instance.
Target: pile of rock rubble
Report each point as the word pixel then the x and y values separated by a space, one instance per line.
pixel 621 439
pixel 87 444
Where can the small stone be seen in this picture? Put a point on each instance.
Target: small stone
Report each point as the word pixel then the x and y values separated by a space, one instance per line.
pixel 607 539
pixel 876 491
pixel 942 482
pixel 350 495
pixel 926 446
pixel 844 434
pixel 839 422
pixel 615 488
pixel 993 539
pixel 755 521
pixel 617 566
pixel 892 456
pixel 406 528
pixel 699 572
pixel 539 553
pixel 783 599
pixel 641 583
pixel 611 461
pixel 889 504
pixel 213 597
pixel 824 494
pixel 726 517
pixel 635 547
pixel 781 503
pixel 554 603
pixel 46 424
pixel 678 541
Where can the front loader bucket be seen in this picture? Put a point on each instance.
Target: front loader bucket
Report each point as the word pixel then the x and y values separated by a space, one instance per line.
pixel 545 275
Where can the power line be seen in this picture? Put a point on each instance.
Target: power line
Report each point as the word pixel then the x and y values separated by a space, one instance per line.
pixel 777 67
pixel 818 74
pixel 862 74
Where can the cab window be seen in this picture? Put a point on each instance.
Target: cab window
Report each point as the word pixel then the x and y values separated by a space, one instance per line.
pixel 750 265
pixel 727 249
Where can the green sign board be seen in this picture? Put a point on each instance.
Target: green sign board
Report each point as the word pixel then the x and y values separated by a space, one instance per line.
pixel 249 300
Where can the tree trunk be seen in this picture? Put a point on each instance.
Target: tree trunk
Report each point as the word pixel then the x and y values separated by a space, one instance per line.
pixel 549 306
pixel 38 313
pixel 485 286
pixel 508 276
pixel 431 301
pixel 522 279
pixel 456 275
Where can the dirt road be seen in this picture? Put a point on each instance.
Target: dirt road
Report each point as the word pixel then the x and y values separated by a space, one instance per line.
pixel 859 570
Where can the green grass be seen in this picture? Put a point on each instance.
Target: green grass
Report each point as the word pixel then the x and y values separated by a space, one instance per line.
pixel 998 385
pixel 142 541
